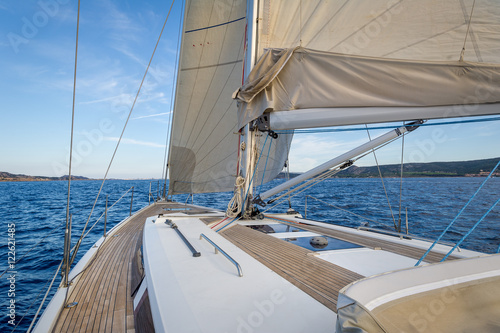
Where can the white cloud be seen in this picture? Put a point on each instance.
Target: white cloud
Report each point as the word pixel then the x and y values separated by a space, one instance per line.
pixel 121 97
pixel 134 142
pixel 310 150
pixel 153 115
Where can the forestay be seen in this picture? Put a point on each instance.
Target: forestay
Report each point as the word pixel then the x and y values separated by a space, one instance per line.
pixel 390 56
pixel 204 144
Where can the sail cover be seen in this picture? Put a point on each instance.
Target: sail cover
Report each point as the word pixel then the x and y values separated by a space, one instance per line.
pixel 204 143
pixel 363 90
pixel 375 54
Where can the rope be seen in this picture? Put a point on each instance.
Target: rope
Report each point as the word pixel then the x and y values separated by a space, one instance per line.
pixel 235 219
pixel 461 211
pixel 255 169
pixel 470 231
pixel 330 130
pixel 234 206
pixel 467 33
pixel 219 223
pixel 121 135
pixel 382 179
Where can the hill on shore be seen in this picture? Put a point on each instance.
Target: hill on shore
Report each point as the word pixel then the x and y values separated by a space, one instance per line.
pixel 10 177
pixel 475 168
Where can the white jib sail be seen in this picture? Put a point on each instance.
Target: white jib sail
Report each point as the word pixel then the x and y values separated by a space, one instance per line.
pixel 204 143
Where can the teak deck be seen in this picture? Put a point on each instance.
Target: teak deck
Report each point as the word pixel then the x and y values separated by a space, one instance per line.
pixel 104 288
pixel 318 278
pixel 401 249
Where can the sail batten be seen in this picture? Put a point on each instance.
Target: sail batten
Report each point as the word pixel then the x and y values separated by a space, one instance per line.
pixel 215 26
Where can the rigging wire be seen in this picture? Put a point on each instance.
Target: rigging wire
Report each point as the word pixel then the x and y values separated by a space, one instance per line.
pixel 67 239
pixel 31 304
pixel 121 135
pixel 265 166
pixel 34 246
pixel 347 211
pixel 456 217
pixel 401 181
pixel 88 265
pixel 311 183
pixel 109 208
pixel 48 234
pixel 287 179
pixel 382 179
pixel 320 178
pixel 45 297
pixel 470 231
pixel 328 130
pixel 169 128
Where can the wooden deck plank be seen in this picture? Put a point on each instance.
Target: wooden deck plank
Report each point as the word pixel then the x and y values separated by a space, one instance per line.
pixel 318 278
pixel 116 273
pixel 369 242
pixel 104 288
pixel 75 322
pixel 109 287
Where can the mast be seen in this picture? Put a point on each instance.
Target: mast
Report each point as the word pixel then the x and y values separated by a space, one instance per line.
pixel 248 148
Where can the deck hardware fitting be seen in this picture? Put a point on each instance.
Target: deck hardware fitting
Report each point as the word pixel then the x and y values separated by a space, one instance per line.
pixel 183 238
pixel 228 257
pixel 71 305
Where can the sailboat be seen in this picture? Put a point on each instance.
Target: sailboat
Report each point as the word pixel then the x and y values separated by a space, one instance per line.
pixel 250 73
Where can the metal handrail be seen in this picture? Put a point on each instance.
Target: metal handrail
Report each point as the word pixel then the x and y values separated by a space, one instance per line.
pixel 217 248
pixel 174 226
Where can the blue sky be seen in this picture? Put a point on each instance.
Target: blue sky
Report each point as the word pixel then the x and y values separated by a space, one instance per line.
pixel 37 42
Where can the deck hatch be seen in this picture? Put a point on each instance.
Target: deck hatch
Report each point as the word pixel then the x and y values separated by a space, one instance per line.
pixel 303 237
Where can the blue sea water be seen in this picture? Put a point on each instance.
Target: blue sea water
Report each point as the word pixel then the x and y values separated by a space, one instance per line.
pixel 38 210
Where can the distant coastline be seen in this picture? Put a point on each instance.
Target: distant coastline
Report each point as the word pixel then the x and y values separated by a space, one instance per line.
pixel 475 168
pixel 10 177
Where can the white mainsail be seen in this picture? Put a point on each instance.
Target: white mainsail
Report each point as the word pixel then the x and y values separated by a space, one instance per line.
pixel 204 143
pixel 374 61
pixel 355 61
